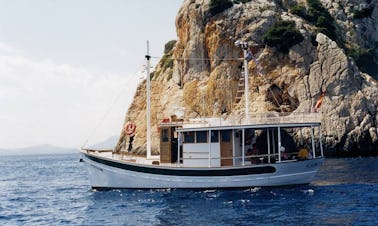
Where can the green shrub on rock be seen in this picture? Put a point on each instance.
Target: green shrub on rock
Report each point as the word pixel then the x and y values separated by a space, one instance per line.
pixel 218 6
pixel 241 1
pixel 366 60
pixel 318 15
pixel 363 13
pixel 166 61
pixel 169 46
pixel 299 10
pixel 283 35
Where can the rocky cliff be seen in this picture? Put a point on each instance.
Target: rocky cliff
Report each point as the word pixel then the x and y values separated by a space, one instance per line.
pixel 328 45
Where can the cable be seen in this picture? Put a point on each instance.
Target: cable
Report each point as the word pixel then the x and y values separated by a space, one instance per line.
pixel 199 59
pixel 261 73
pixel 107 112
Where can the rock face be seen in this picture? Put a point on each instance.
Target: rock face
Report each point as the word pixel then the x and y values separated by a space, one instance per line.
pixel 200 75
pixel 357 20
pixel 350 106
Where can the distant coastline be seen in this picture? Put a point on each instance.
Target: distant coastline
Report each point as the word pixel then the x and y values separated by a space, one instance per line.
pixel 44 149
pixel 48 149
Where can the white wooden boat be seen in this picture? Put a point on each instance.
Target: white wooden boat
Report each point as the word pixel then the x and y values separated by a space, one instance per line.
pixel 214 153
pixel 199 163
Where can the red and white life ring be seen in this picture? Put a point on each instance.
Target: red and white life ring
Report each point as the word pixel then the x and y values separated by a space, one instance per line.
pixel 130 128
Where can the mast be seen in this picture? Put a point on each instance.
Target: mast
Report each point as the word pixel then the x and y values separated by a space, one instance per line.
pixel 148 89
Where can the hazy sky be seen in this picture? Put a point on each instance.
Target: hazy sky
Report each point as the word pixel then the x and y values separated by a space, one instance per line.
pixel 66 64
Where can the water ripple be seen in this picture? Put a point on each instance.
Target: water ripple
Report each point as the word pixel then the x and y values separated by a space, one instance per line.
pixel 53 190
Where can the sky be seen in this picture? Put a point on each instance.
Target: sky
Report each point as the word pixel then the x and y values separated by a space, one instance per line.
pixel 69 68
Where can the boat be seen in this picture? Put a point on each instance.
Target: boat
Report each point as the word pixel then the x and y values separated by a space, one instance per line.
pixel 207 153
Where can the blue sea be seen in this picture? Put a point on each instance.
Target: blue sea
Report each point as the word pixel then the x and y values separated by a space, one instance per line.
pixel 54 190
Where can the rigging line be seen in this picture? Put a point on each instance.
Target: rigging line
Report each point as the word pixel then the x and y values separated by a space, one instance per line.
pixel 208 59
pixel 201 59
pixel 271 92
pixel 260 71
pixel 103 118
pixel 107 112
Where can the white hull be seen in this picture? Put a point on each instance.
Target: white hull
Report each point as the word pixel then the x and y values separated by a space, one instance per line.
pixel 109 173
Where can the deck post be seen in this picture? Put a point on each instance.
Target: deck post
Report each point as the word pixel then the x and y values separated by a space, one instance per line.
pixel 320 140
pixel 300 130
pixel 243 146
pixel 209 140
pixel 313 142
pixel 178 148
pixel 233 147
pixel 279 144
pixel 268 140
pixel 273 142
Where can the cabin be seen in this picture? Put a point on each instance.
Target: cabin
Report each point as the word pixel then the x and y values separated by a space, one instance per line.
pixel 209 144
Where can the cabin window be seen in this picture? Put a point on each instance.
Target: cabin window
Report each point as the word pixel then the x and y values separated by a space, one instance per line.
pixel 189 137
pixel 164 135
pixel 225 136
pixel 201 136
pixel 215 136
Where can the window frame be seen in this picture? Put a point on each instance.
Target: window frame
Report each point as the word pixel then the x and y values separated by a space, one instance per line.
pixel 201 136
pixel 215 138
pixel 189 137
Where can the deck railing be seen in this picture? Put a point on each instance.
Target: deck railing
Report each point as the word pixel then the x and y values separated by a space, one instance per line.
pixel 237 160
pixel 255 119
pixel 289 118
pixel 254 159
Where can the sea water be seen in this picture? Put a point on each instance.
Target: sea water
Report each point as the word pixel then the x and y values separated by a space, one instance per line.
pixel 54 190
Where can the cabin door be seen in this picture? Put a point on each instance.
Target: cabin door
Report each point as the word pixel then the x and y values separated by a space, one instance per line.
pixel 168 145
pixel 174 145
pixel 226 146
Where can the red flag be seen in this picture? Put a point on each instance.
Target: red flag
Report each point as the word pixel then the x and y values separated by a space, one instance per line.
pixel 319 102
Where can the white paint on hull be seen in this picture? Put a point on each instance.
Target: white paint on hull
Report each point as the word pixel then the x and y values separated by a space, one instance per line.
pixel 289 173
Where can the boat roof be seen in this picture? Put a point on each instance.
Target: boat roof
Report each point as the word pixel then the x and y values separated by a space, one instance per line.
pixel 249 126
pixel 261 121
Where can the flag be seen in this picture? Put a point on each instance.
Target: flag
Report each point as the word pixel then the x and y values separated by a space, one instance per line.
pixel 319 102
pixel 250 57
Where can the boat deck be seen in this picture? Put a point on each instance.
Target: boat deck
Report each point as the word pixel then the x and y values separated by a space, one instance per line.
pixel 130 158
pixel 155 159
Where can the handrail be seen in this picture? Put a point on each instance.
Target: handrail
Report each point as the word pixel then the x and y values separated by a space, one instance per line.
pixel 236 157
pixel 247 158
pixel 96 150
pixel 268 118
pixel 274 117
pixel 277 118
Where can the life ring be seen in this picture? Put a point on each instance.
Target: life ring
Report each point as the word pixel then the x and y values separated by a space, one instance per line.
pixel 130 128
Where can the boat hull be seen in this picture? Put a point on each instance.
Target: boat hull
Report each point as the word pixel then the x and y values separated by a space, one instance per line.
pixel 106 173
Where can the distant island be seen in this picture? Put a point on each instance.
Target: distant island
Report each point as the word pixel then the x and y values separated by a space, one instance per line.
pixel 43 149
pixel 47 149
